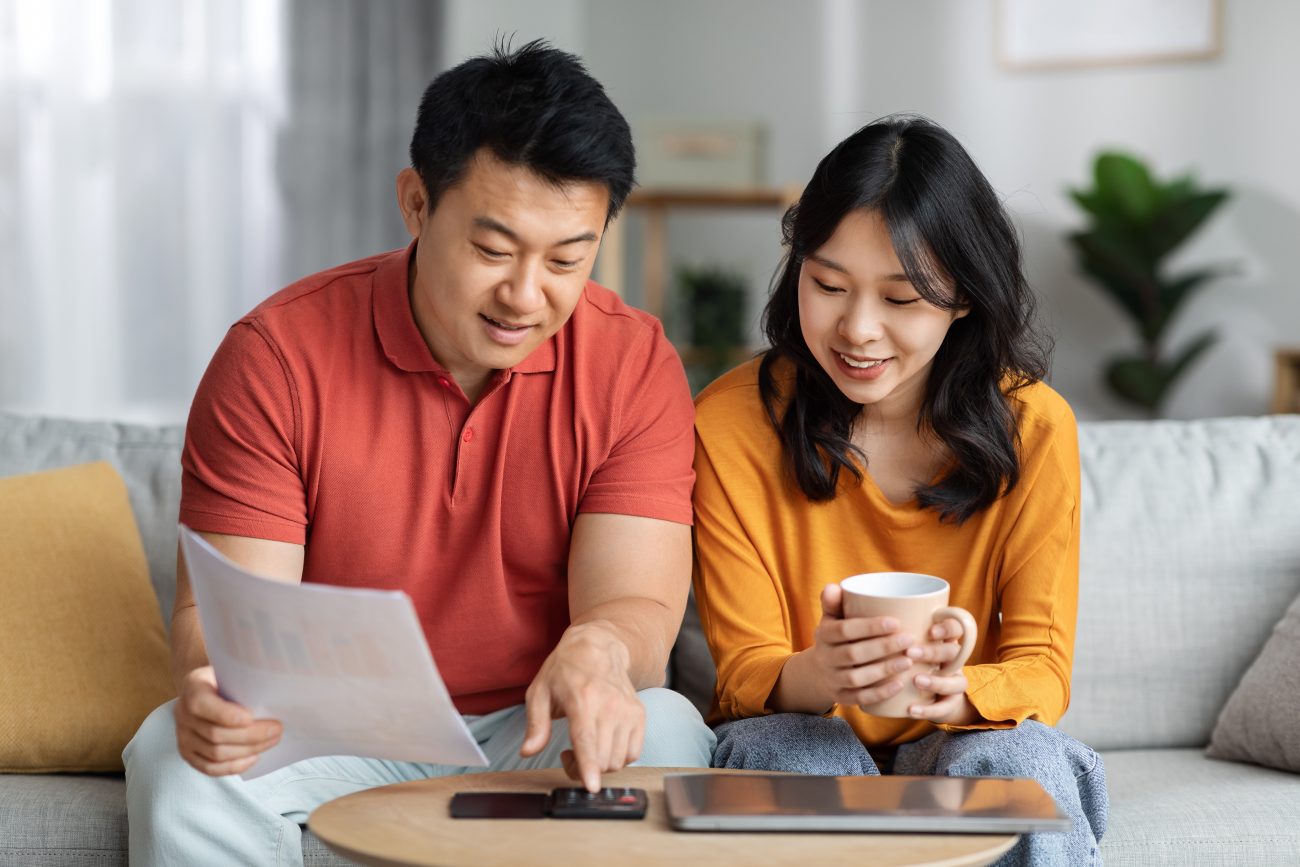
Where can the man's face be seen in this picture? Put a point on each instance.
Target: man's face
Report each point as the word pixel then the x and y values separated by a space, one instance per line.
pixel 500 264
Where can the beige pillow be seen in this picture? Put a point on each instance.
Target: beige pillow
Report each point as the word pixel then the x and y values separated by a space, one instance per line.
pixel 83 655
pixel 1260 723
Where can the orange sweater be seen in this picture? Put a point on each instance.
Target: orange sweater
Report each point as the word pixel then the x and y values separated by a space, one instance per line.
pixel 763 553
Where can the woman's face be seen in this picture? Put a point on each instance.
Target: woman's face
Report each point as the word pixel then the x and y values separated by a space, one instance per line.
pixel 865 323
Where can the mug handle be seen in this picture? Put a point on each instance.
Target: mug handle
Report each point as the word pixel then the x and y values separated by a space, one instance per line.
pixel 969 633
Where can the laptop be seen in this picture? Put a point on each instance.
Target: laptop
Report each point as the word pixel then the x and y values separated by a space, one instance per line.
pixel 896 804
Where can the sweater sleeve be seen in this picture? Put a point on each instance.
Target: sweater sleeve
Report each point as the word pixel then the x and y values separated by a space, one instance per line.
pixel 1038 593
pixel 744 614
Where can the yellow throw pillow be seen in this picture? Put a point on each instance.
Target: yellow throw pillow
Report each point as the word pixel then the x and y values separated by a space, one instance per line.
pixel 83 655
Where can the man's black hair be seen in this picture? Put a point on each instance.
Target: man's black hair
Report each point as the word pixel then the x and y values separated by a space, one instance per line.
pixel 534 106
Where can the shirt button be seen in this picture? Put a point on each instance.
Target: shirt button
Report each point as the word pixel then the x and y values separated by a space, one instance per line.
pixel 468 434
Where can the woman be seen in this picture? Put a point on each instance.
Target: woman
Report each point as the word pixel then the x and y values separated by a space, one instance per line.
pixel 897 423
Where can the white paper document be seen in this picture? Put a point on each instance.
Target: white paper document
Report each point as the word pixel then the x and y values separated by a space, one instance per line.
pixel 347 671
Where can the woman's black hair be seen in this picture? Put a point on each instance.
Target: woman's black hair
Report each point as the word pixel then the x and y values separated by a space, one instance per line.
pixel 960 250
pixel 534 106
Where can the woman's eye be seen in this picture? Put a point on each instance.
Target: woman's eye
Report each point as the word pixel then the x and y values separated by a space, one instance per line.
pixel 902 302
pixel 566 263
pixel 826 287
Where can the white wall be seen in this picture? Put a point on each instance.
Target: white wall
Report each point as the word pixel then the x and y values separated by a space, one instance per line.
pixel 1234 121
pixel 472 26
pixel 815 71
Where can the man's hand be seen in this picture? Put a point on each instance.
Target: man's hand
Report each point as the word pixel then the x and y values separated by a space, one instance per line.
pixel 216 736
pixel 586 680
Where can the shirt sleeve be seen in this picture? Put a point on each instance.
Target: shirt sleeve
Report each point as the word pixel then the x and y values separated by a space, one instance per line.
pixel 1038 591
pixel 648 470
pixel 240 465
pixel 743 611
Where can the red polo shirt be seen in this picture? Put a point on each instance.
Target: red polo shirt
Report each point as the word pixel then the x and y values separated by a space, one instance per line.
pixel 324 420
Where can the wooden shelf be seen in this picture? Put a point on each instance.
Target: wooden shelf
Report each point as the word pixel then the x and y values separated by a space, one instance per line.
pixel 656 202
pixel 756 197
pixel 1286 381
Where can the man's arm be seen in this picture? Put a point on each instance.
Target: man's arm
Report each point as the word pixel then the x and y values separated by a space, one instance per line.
pixel 628 580
pixel 214 735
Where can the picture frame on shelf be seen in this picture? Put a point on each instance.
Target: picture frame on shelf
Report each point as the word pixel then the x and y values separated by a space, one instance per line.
pixel 1060 34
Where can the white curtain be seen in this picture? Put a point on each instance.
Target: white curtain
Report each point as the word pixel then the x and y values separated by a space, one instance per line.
pixel 166 164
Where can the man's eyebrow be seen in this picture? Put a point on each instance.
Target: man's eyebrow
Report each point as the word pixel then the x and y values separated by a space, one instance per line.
pixel 836 266
pixel 495 226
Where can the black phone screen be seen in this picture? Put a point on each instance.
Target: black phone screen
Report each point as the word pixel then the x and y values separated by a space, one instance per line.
pixel 498 805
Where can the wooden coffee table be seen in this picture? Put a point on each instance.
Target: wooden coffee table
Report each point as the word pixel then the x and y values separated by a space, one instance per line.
pixel 408 824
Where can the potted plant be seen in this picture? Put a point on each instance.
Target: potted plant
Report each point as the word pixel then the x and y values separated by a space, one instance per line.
pixel 1135 222
pixel 711 310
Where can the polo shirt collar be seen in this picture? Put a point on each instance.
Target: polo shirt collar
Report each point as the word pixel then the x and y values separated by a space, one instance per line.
pixel 400 336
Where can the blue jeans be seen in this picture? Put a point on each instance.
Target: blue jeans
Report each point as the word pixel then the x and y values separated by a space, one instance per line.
pixel 1071 772
pixel 177 815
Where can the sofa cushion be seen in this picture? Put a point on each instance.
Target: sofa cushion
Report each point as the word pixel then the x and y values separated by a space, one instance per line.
pixel 1261 721
pixel 53 821
pixel 85 656
pixel 147 457
pixel 1177 807
pixel 1188 554
pixel 64 819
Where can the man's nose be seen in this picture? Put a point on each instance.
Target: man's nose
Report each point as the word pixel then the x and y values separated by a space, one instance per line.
pixel 522 293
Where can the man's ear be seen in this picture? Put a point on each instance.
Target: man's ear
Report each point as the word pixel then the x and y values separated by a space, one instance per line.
pixel 412 200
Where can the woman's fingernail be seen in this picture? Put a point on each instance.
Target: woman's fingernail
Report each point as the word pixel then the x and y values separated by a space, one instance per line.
pixel 915 652
pixel 923 681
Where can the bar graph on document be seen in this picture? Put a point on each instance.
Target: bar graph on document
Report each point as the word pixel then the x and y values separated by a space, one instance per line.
pixel 347 671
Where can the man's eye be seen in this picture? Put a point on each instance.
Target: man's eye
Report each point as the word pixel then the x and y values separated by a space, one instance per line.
pixel 903 302
pixel 490 253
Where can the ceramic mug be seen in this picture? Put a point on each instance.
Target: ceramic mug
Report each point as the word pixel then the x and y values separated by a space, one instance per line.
pixel 917 602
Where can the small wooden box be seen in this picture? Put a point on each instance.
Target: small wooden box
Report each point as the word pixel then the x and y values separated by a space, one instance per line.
pixel 1286 381
pixel 696 154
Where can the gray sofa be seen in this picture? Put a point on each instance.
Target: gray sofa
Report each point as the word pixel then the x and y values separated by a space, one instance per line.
pixel 1191 552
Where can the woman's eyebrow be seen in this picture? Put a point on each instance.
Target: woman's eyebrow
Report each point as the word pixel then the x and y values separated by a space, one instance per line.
pixel 836 266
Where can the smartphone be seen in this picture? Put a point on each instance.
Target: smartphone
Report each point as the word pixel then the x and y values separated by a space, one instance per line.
pixel 562 803
pixel 498 805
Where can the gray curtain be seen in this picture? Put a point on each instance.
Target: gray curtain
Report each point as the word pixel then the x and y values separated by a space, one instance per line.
pixel 357 71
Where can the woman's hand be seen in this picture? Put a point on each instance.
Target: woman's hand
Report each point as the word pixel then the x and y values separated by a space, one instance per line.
pixel 950 705
pixel 857 660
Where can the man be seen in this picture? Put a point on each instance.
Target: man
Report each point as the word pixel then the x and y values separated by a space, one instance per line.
pixel 468 420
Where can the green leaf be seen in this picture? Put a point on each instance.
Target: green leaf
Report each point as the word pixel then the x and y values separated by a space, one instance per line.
pixel 1095 204
pixel 1126 183
pixel 1137 381
pixel 1173 224
pixel 1122 272
pixel 1190 353
pixel 1145 382
pixel 1174 292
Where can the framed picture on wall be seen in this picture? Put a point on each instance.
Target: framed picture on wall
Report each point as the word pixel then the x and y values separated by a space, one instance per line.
pixel 1047 34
